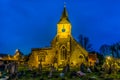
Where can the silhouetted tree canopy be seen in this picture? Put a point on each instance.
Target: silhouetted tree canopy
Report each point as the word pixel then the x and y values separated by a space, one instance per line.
pixel 104 49
pixel 113 50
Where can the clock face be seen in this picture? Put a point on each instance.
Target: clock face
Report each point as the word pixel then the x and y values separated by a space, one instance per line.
pixel 63 30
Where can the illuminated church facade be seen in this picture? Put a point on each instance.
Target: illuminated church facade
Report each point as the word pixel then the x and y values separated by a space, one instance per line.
pixel 64 48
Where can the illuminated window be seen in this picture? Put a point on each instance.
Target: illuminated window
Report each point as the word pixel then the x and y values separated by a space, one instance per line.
pixel 63 53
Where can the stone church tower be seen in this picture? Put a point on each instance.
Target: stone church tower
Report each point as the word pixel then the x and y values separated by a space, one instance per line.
pixel 64 48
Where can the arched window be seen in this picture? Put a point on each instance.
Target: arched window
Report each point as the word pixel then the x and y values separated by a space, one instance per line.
pixel 63 53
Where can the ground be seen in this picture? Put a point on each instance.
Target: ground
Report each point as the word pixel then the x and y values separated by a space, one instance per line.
pixel 34 75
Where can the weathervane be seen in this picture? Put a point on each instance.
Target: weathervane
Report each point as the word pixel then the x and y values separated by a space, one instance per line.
pixel 64 4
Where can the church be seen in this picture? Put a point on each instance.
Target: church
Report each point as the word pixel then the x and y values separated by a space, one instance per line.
pixel 64 48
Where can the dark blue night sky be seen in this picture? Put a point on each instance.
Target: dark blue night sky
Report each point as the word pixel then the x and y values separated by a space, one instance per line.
pixel 26 24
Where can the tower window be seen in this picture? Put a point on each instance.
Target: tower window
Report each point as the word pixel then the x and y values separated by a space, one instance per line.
pixel 63 29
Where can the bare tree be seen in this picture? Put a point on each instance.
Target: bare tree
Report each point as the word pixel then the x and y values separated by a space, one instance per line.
pixel 104 49
pixel 117 47
pixel 85 43
pixel 112 47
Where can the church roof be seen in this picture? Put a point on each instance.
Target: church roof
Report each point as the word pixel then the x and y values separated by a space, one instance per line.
pixel 49 48
pixel 64 16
